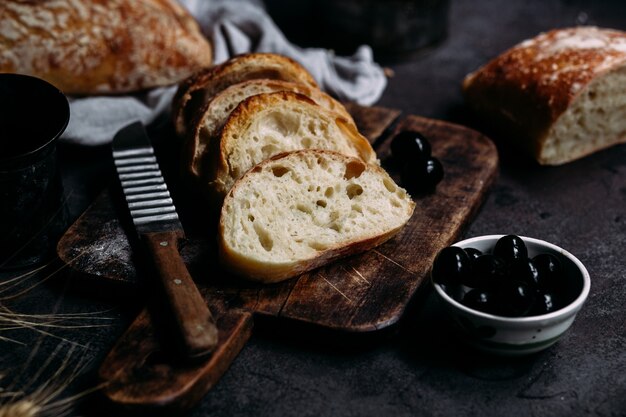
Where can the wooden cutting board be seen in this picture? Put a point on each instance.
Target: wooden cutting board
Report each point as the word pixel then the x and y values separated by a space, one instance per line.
pixel 359 294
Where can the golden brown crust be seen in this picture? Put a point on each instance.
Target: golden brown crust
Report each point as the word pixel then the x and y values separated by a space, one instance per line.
pixel 195 91
pixel 198 145
pixel 101 46
pixel 219 170
pixel 266 275
pixel 527 88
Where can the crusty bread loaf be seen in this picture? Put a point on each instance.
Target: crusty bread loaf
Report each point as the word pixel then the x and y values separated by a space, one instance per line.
pixel 101 46
pixel 198 89
pixel 210 119
pixel 561 95
pixel 300 210
pixel 267 124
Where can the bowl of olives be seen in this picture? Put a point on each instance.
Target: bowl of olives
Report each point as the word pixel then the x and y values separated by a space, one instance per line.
pixel 510 295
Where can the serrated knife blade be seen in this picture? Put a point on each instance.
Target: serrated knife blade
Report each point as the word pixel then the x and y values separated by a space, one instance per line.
pixel 156 221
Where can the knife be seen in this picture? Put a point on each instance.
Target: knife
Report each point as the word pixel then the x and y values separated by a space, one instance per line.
pixel 156 221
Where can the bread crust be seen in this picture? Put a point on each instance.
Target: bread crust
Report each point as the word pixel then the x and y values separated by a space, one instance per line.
pixel 276 272
pixel 525 90
pixel 219 169
pixel 198 143
pixel 273 273
pixel 101 46
pixel 196 90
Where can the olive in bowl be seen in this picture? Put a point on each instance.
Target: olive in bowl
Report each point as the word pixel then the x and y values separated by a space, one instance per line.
pixel 511 299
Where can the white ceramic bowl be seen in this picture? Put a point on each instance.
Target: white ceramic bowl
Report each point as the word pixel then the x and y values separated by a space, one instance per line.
pixel 514 336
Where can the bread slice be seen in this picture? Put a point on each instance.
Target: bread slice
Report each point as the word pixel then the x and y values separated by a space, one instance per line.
pixel 300 210
pixel 101 46
pixel 196 90
pixel 267 124
pixel 560 95
pixel 211 118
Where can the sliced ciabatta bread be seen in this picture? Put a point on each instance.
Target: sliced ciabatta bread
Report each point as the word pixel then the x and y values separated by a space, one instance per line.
pixel 196 90
pixel 209 121
pixel 267 124
pixel 561 95
pixel 300 210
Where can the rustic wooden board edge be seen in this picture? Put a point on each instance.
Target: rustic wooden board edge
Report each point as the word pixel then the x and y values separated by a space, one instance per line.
pixel 140 375
pixel 372 121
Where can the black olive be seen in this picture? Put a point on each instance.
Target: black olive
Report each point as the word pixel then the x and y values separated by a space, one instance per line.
pixel 488 271
pixel 550 271
pixel 515 298
pixel 422 175
pixel 410 146
pixel 479 300
pixel 451 266
pixel 544 303
pixel 505 281
pixel 473 253
pixel 511 248
pixel 455 291
pixel 526 271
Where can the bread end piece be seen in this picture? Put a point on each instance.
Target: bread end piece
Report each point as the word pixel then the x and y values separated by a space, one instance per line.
pixel 301 210
pixel 196 90
pixel 560 96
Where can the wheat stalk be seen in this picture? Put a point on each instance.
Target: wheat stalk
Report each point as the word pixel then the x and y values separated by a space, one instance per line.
pixel 46 399
pixel 23 408
pixel 39 397
pixel 42 395
pixel 20 285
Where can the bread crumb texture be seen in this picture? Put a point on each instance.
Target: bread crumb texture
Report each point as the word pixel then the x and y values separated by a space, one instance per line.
pixel 294 207
pixel 268 124
pixel 594 121
pixel 221 106
pixel 216 112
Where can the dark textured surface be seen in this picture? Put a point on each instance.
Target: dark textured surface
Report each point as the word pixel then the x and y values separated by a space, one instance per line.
pixel 420 370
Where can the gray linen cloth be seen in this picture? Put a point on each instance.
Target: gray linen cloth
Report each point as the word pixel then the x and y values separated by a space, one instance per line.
pixel 235 27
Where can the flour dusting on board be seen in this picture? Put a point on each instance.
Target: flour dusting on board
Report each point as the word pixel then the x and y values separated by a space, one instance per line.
pixel 107 254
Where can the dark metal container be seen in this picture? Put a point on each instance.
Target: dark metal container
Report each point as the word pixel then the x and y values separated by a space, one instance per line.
pixel 33 213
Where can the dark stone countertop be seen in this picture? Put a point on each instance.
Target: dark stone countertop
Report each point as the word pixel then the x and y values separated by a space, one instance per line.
pixel 420 369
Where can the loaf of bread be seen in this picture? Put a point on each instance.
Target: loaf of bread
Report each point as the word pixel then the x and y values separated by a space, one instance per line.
pixel 267 124
pixel 208 122
pixel 101 46
pixel 560 95
pixel 194 92
pixel 300 210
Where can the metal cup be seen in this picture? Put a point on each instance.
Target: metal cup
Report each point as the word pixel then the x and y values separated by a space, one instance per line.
pixel 33 213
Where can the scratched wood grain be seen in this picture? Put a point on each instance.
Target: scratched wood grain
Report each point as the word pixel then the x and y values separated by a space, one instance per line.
pixel 361 293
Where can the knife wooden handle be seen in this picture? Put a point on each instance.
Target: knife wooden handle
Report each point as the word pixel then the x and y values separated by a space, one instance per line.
pixel 190 313
pixel 141 376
